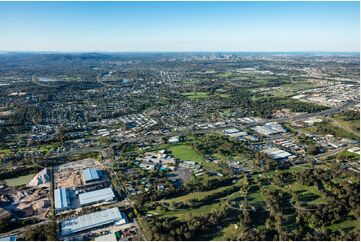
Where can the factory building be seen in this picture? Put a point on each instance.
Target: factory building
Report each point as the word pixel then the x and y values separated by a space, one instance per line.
pixel 98 196
pixel 91 221
pixel 278 154
pixel 62 199
pixel 269 129
pixel 235 133
pixel 90 175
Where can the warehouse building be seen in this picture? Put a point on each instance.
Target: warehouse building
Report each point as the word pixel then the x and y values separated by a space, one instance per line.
pixel 269 129
pixel 234 133
pixel 278 154
pixel 91 221
pixel 90 175
pixel 98 196
pixel 62 199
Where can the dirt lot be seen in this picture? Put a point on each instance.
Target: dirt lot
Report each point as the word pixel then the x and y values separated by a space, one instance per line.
pixel 70 174
pixel 26 202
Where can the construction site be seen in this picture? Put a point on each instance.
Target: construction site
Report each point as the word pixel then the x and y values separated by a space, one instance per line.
pixel 70 175
pixel 31 201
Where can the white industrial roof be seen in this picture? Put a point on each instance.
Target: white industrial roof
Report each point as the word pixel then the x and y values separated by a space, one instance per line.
pixel 237 134
pixel 276 153
pixel 90 221
pixel 230 131
pixel 90 174
pixel 61 198
pixel 270 128
pixel 105 194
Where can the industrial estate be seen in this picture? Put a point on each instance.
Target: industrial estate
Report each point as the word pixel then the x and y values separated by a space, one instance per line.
pixel 179 146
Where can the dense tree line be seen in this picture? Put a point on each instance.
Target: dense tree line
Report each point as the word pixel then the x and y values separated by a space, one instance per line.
pixel 190 228
pixel 45 232
pixel 264 106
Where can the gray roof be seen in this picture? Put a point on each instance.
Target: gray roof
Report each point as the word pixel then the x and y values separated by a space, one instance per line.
pixel 90 174
pixel 90 221
pixel 61 198
pixel 105 194
pixel 276 153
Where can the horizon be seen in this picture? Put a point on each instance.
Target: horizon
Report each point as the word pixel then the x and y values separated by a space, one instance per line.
pixel 165 52
pixel 180 26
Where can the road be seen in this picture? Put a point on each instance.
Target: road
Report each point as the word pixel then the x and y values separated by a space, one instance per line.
pixel 333 152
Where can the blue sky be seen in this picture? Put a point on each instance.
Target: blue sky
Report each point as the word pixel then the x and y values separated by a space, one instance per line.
pixel 180 26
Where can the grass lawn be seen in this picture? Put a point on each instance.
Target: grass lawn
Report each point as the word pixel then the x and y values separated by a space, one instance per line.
pixel 18 181
pixel 199 195
pixel 339 132
pixel 293 169
pixel 350 155
pixel 298 85
pixel 5 152
pixel 195 95
pixel 255 197
pixel 184 152
pixel 226 232
pixel 183 213
pixel 224 74
pixel 351 125
pixel 348 224
pixel 223 95
pixel 307 193
pixel 200 95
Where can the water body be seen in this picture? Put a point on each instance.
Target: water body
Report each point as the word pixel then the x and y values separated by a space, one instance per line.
pixel 20 180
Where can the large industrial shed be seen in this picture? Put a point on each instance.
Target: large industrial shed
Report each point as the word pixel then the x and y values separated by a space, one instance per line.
pixel 90 174
pixel 62 199
pixel 98 196
pixel 91 221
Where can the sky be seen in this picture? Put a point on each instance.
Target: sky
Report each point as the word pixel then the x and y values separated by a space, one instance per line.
pixel 179 26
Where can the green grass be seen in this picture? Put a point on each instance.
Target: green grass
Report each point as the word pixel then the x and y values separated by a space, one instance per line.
pixel 197 195
pixel 352 124
pixel 18 181
pixel 307 190
pixel 183 213
pixel 336 131
pixel 349 155
pixel 224 74
pixel 195 95
pixel 223 95
pixel 226 232
pixel 347 224
pixel 5 152
pixel 298 85
pixel 201 95
pixel 184 152
pixel 255 197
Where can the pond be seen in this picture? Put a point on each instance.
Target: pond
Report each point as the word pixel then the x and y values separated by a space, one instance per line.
pixel 20 180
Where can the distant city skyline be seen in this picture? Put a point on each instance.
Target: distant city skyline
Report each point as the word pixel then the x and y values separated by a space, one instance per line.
pixel 180 26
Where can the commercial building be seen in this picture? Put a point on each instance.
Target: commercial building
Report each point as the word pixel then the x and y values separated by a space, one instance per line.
pixel 90 174
pixel 91 221
pixel 98 196
pixel 173 140
pixel 234 133
pixel 62 199
pixel 269 129
pixel 278 154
